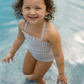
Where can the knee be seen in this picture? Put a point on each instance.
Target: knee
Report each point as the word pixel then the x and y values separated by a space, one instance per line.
pixel 26 72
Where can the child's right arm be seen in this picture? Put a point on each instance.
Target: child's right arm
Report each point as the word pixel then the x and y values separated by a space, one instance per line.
pixel 17 43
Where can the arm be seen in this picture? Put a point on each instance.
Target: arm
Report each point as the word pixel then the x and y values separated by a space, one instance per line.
pixel 57 50
pixel 16 45
pixel 18 41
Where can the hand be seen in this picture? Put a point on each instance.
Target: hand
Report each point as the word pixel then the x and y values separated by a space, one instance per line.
pixel 8 57
pixel 62 78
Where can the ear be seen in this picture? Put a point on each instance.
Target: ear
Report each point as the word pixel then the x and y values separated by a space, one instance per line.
pixel 21 10
pixel 47 12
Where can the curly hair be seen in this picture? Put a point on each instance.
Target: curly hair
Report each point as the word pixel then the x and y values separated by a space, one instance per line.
pixel 50 7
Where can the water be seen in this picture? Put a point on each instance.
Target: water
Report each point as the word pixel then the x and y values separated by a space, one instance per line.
pixel 69 21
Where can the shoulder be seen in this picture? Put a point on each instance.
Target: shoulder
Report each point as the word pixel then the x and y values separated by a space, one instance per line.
pixel 52 33
pixel 22 24
pixel 54 39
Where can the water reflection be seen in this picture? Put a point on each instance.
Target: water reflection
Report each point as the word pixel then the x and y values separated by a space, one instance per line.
pixel 70 24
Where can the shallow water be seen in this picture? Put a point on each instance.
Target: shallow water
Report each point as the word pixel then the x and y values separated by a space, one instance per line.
pixel 69 21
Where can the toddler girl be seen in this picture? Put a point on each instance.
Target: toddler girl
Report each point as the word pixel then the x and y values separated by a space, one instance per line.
pixel 43 40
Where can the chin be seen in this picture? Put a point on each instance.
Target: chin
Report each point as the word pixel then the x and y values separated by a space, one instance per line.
pixel 33 22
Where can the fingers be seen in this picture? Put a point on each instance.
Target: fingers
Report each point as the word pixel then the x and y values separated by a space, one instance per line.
pixel 64 82
pixel 12 59
pixel 57 81
pixel 6 60
pixel 62 78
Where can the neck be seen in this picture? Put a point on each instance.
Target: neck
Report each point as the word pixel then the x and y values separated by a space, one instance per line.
pixel 37 26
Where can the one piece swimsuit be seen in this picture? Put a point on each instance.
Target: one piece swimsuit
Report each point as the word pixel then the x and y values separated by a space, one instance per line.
pixel 40 50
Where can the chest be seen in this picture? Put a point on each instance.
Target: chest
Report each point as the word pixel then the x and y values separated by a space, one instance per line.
pixel 37 33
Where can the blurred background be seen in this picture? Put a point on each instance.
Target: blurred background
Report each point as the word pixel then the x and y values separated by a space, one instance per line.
pixel 69 21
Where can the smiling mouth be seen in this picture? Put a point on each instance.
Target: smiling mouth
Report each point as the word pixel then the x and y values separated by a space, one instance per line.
pixel 32 17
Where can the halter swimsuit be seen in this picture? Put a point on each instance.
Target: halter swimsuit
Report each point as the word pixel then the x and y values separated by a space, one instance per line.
pixel 40 50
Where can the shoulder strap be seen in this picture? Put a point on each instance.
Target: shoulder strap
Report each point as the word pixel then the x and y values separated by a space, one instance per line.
pixel 43 30
pixel 25 26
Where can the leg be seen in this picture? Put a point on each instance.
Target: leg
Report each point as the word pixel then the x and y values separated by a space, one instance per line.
pixel 39 71
pixel 29 64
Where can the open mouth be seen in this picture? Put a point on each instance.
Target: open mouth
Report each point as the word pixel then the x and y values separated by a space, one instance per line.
pixel 32 17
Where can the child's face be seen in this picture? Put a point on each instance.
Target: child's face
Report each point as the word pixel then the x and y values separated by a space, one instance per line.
pixel 34 11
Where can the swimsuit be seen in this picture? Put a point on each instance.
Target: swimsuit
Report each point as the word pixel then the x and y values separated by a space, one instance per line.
pixel 40 50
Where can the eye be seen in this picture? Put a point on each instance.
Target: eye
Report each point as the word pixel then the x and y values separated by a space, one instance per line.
pixel 27 7
pixel 38 8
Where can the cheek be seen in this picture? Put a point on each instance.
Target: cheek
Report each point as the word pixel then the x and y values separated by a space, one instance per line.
pixel 42 13
pixel 25 13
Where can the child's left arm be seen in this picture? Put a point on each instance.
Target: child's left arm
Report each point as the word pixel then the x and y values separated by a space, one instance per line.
pixel 55 41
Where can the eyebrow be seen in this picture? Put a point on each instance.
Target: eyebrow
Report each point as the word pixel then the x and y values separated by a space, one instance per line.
pixel 29 5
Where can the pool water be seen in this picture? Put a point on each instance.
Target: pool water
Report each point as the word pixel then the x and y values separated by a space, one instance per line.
pixel 69 21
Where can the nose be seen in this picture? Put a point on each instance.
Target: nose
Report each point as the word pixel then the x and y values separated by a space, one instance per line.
pixel 32 12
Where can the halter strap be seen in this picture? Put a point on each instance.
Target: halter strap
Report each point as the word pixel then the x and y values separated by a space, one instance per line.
pixel 43 30
pixel 25 26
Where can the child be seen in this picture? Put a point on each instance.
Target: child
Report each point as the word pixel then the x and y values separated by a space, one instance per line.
pixel 43 40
